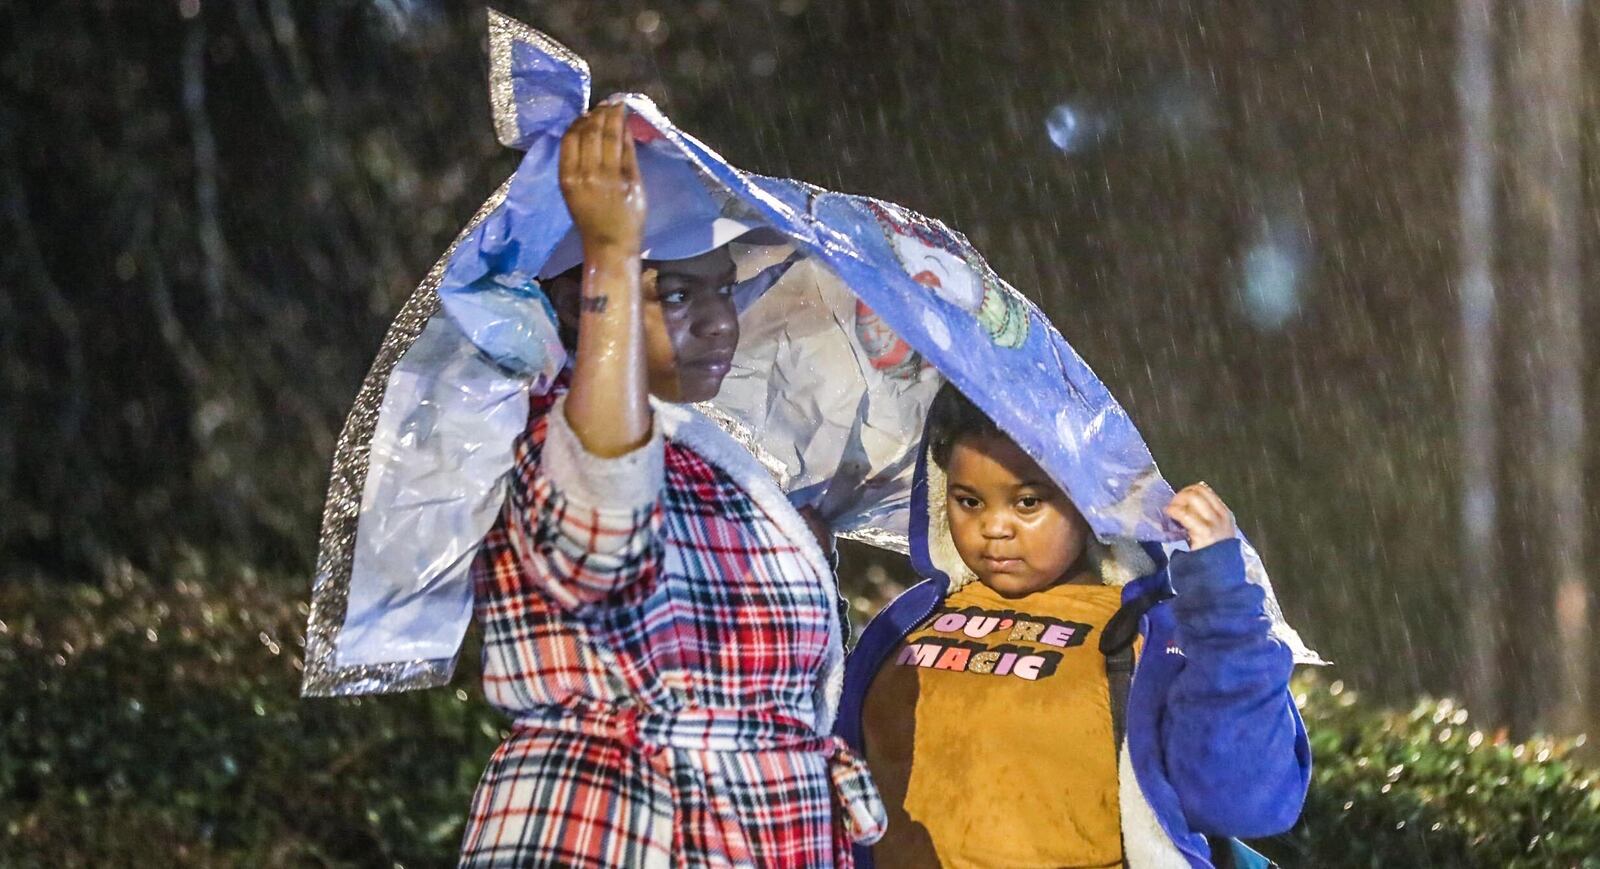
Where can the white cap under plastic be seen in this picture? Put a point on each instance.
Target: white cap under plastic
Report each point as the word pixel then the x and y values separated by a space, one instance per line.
pixel 682 218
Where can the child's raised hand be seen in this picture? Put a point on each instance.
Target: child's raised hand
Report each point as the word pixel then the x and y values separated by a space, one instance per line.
pixel 600 181
pixel 1205 519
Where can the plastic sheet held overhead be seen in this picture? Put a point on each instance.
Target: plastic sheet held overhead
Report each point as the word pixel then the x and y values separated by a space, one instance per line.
pixel 848 328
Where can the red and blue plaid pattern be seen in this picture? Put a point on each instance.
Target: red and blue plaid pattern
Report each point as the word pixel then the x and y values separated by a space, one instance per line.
pixel 663 659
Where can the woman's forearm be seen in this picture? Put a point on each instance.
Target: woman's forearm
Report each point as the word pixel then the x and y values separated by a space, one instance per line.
pixel 608 407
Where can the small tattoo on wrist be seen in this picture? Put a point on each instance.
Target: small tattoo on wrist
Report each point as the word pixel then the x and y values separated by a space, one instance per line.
pixel 593 304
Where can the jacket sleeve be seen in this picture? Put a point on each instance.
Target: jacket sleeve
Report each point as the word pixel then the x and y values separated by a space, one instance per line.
pixel 1235 747
pixel 586 529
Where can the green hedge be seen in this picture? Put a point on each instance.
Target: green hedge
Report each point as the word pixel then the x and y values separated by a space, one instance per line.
pixel 1425 788
pixel 159 724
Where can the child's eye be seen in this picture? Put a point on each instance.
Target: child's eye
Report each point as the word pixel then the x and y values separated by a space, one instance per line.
pixel 673 297
pixel 1030 502
pixel 968 503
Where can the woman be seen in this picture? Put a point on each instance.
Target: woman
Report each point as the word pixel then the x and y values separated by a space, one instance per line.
pixel 658 618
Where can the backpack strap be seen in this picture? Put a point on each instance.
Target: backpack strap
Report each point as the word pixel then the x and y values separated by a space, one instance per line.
pixel 1119 675
pixel 1116 643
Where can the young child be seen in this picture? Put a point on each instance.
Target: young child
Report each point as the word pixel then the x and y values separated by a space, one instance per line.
pixel 1043 699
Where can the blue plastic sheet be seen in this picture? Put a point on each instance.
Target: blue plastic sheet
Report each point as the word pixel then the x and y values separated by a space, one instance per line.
pixel 847 331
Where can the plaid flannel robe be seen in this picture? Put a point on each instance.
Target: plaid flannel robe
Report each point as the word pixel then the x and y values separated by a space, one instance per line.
pixel 663 627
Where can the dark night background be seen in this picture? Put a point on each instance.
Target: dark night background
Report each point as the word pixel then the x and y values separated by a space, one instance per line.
pixel 1249 217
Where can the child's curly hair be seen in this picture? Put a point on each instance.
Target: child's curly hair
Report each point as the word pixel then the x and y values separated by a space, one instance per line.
pixel 951 417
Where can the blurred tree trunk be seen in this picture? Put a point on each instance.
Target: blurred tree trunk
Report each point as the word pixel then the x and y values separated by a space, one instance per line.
pixel 1550 610
pixel 1475 396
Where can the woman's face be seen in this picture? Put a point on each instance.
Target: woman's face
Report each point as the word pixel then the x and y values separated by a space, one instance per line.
pixel 691 326
pixel 1012 526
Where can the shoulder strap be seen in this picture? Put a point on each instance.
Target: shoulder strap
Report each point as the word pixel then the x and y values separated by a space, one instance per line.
pixel 1116 643
pixel 1119 675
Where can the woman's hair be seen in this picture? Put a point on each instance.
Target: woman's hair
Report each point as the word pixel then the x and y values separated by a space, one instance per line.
pixel 951 417
pixel 563 291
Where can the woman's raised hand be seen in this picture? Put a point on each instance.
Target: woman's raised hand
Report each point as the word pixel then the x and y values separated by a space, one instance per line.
pixel 600 181
pixel 608 406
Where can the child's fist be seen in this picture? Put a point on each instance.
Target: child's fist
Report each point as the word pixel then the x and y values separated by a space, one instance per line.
pixel 1205 519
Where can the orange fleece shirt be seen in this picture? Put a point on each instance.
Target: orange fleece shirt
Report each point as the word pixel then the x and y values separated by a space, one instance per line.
pixel 989 734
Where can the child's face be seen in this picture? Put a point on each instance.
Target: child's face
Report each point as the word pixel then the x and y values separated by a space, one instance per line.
pixel 1012 526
